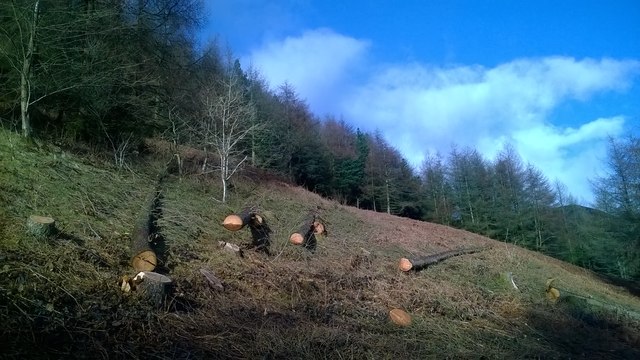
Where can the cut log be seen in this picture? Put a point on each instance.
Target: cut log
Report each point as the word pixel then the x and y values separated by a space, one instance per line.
pixel 247 216
pixel 406 264
pixel 400 317
pixel 144 257
pixel 212 280
pixel 41 227
pixel 306 234
pixel 585 302
pixel 153 287
pixel 260 231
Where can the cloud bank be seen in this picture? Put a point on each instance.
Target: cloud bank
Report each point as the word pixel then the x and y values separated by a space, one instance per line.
pixel 423 109
pixel 317 63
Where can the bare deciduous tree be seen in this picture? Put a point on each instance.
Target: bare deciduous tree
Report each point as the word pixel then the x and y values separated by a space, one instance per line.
pixel 228 121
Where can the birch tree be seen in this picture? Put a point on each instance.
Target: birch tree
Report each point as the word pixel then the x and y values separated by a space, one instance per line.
pixel 228 121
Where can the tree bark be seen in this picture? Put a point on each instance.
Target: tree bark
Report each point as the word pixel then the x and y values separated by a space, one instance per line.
pixel 144 257
pixel 25 74
pixel 41 227
pixel 422 262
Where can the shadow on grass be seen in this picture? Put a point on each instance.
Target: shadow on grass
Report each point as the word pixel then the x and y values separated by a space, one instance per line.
pixel 577 333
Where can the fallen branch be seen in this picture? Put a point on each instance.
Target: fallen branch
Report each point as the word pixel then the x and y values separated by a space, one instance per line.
pixel 213 281
pixel 422 262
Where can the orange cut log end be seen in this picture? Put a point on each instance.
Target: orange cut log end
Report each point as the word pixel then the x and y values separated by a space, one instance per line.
pixel 400 317
pixel 233 223
pixel 145 261
pixel 296 239
pixel 405 264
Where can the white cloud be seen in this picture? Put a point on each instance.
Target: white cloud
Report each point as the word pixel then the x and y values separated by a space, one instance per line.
pixel 431 108
pixel 317 63
pixel 422 109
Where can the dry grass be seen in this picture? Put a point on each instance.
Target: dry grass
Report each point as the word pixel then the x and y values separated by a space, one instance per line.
pixel 60 298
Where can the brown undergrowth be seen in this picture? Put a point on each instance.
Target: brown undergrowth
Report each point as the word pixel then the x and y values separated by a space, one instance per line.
pixel 60 298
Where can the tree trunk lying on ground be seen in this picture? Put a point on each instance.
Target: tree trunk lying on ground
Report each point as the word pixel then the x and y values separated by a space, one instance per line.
pixel 422 262
pixel 152 286
pixel 41 227
pixel 260 230
pixel 306 235
pixel 585 303
pixel 143 255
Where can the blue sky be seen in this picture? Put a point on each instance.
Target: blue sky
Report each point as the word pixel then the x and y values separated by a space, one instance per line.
pixel 552 78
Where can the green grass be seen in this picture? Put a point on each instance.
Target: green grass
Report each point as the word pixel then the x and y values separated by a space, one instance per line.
pixel 60 297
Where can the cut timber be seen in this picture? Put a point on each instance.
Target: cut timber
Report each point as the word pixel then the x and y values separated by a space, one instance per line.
pixel 400 317
pixel 41 227
pixel 213 281
pixel 421 263
pixel 257 224
pixel 306 234
pixel 247 216
pixel 144 257
pixel 152 286
pixel 585 302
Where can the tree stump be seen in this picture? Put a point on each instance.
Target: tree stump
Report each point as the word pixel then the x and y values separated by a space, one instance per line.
pixel 422 262
pixel 153 287
pixel 41 227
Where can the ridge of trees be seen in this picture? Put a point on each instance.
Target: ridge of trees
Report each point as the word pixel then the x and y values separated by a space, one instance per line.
pixel 113 72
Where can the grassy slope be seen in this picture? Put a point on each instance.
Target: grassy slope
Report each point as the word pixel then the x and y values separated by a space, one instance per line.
pixel 61 297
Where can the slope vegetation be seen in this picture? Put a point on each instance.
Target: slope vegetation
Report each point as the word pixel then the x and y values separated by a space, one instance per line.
pixel 61 297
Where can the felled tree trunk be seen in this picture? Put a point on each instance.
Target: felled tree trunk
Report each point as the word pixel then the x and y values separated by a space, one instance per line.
pixel 153 286
pixel 260 230
pixel 422 262
pixel 235 222
pixel 585 302
pixel 41 227
pixel 306 234
pixel 144 257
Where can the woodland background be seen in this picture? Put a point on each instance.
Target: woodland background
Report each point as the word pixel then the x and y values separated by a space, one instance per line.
pixel 101 76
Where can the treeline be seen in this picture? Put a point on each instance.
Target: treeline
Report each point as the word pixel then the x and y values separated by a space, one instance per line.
pixel 111 73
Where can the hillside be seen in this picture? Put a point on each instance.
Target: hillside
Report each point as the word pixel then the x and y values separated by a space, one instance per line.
pixel 61 297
